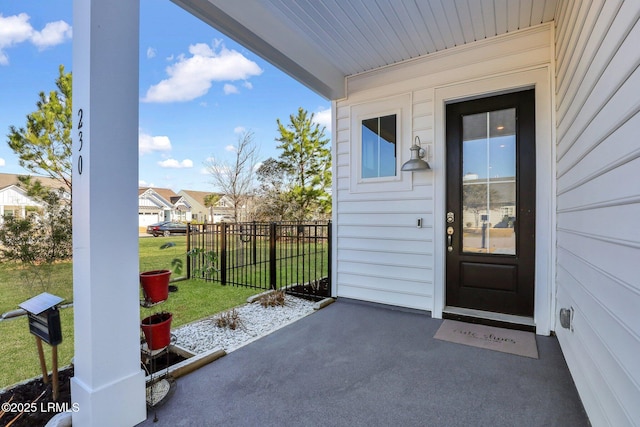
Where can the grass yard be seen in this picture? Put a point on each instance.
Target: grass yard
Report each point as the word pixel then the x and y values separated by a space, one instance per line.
pixel 18 356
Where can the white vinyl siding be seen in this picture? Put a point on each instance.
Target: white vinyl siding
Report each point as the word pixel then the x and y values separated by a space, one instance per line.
pixel 598 203
pixel 382 256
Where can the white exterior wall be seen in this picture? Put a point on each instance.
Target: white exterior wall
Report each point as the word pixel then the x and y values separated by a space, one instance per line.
pixel 598 202
pixel 13 198
pixel 381 255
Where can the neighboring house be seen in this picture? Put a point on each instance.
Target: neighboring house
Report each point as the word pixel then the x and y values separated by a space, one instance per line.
pixel 559 79
pixel 14 200
pixel 153 206
pixel 181 209
pixel 161 204
pixel 222 210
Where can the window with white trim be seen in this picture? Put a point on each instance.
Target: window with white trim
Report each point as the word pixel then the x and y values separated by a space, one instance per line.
pixel 377 131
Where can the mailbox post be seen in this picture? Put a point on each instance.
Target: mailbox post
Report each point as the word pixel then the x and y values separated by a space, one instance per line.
pixel 44 324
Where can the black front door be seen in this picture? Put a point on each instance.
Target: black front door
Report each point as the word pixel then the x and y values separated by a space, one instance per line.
pixel 491 204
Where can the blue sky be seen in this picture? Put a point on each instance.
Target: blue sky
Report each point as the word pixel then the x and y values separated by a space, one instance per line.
pixel 198 89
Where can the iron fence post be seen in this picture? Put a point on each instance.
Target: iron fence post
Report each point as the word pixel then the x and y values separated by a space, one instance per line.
pixel 329 255
pixel 223 253
pixel 272 255
pixel 189 237
pixel 254 243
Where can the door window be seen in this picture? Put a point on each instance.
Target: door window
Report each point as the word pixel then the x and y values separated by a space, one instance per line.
pixel 489 182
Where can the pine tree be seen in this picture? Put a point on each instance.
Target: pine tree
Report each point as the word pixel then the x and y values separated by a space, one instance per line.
pixel 306 160
pixel 43 146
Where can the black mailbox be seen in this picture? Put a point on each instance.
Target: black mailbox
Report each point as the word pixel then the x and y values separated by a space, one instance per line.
pixel 44 317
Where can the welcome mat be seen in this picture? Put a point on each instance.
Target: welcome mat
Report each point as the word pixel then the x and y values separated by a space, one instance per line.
pixel 489 337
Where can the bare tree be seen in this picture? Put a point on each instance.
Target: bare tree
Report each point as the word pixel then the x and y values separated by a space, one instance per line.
pixel 235 179
pixel 273 202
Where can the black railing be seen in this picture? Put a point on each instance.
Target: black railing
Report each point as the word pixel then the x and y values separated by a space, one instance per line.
pixel 292 256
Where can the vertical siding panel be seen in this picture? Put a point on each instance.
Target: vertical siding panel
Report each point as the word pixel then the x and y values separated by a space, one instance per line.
pixel 575 47
pixel 464 19
pixel 598 111
pixel 513 16
pixel 475 10
pixel 501 16
pixel 585 48
pixel 550 8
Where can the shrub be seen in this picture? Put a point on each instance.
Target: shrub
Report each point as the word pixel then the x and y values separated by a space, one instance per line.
pixel 40 239
pixel 229 319
pixel 272 299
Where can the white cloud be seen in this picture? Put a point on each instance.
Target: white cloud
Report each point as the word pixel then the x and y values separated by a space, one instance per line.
pixel 239 129
pixel 2 162
pixel 228 89
pixel 148 144
pixel 323 118
pixel 52 34
pixel 16 29
pixel 229 148
pixel 248 85
pixel 151 53
pixel 143 183
pixel 175 164
pixel 191 77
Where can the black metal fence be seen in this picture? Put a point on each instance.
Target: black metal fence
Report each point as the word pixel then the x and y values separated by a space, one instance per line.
pixel 292 256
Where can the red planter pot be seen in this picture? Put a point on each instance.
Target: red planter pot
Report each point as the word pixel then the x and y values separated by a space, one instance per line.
pixel 155 285
pixel 157 330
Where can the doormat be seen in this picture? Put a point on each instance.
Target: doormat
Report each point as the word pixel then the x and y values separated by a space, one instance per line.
pixel 489 337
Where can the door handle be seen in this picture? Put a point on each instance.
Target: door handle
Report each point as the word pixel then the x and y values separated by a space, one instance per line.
pixel 450 232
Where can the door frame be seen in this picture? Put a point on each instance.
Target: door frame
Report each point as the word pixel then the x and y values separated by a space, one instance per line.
pixel 545 251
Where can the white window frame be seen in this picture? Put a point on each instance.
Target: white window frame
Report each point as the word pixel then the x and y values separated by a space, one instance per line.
pixel 400 106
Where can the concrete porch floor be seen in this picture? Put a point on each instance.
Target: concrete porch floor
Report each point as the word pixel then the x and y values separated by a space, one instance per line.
pixel 360 364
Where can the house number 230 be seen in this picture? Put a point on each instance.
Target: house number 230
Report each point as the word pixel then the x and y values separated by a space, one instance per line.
pixel 80 117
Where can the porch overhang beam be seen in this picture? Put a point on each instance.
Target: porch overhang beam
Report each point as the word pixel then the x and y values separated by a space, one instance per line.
pixel 275 42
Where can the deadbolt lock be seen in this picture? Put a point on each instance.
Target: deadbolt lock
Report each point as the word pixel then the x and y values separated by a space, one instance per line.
pixel 450 231
pixel 450 217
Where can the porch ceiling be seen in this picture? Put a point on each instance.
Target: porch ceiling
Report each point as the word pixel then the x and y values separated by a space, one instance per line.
pixel 320 42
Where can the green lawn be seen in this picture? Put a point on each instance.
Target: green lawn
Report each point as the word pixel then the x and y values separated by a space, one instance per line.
pixel 18 356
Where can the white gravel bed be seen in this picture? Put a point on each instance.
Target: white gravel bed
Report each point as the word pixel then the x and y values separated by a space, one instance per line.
pixel 255 322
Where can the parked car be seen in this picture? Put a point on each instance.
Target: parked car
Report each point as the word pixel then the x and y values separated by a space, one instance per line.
pixel 166 228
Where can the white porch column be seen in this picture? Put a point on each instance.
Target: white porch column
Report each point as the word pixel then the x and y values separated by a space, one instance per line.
pixel 108 385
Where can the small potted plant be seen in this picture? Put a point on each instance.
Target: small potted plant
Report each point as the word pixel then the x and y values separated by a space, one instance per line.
pixel 155 283
pixel 157 330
